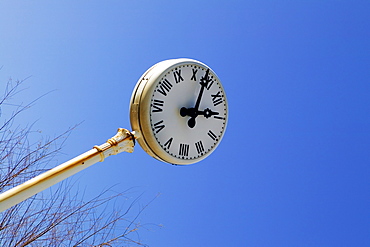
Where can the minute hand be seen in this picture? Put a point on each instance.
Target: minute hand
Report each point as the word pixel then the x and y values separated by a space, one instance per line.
pixel 203 83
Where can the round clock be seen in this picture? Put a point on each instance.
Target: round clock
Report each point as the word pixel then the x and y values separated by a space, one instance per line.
pixel 179 107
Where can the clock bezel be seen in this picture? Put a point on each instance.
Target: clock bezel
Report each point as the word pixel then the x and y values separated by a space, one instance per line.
pixel 140 106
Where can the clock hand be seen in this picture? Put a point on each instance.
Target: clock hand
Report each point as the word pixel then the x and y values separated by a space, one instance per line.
pixel 207 113
pixel 203 83
pixel 193 112
pixel 189 112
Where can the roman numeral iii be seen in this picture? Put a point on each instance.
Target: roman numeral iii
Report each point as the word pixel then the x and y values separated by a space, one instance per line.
pixel 199 147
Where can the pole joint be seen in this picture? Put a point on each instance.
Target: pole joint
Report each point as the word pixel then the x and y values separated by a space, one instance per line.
pixel 123 141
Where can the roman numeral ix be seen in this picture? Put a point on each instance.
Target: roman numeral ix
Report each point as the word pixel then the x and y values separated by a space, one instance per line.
pixel 177 75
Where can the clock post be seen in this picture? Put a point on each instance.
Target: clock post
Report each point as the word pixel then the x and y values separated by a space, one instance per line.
pixel 123 141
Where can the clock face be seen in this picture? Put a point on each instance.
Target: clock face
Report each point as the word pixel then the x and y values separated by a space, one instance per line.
pixel 181 111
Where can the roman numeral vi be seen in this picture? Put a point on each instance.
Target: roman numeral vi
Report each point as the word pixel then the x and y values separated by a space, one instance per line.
pixel 158 126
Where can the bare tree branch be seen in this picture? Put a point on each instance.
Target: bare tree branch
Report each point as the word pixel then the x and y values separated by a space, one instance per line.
pixel 64 219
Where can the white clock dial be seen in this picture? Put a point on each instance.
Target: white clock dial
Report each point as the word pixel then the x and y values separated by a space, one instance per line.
pixel 180 108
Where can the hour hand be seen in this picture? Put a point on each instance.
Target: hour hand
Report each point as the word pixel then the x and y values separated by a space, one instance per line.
pixel 193 113
pixel 207 113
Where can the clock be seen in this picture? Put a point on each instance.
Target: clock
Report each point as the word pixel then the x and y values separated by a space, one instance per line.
pixel 180 111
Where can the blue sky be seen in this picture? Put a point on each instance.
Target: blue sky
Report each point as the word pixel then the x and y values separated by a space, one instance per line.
pixel 293 167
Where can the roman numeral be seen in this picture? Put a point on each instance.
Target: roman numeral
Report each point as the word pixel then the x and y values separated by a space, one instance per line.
pixel 164 87
pixel 159 126
pixel 218 117
pixel 209 84
pixel 168 143
pixel 206 81
pixel 177 75
pixel 184 149
pixel 193 77
pixel 212 135
pixel 199 147
pixel 157 105
pixel 216 98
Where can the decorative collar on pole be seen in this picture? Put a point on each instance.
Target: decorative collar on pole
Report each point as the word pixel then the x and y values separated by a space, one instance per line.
pixel 123 141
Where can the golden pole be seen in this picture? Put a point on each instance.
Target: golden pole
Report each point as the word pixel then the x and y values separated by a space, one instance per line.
pixel 123 141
